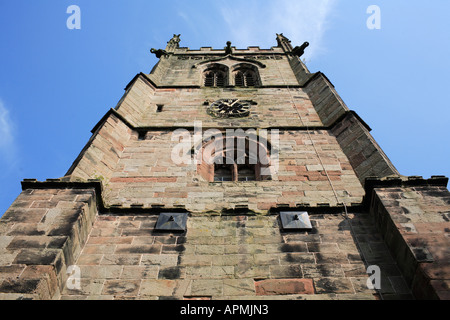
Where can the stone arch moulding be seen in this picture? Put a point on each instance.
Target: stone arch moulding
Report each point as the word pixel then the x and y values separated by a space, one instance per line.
pixel 247 73
pixel 230 57
pixel 206 167
pixel 211 74
pixel 260 140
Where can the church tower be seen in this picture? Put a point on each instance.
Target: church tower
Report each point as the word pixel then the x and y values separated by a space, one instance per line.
pixel 228 174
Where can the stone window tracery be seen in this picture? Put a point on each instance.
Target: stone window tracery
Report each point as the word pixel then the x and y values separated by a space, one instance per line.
pixel 243 161
pixel 246 75
pixel 216 76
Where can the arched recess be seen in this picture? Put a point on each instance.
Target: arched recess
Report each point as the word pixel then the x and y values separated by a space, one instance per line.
pixel 215 75
pixel 245 75
pixel 240 158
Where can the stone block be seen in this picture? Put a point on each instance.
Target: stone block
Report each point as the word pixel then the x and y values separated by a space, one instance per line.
pixel 297 258
pixel 238 287
pixel 284 287
pixel 323 247
pixel 103 272
pixel 35 288
pixel 121 287
pixel 157 288
pixel 165 260
pixel 37 257
pixel 121 259
pixel 172 273
pixel 208 287
pixel 322 270
pixel 195 260
pixel 287 271
pixel 137 249
pixel 333 285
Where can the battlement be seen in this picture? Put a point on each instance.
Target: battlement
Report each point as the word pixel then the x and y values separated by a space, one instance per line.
pixel 235 51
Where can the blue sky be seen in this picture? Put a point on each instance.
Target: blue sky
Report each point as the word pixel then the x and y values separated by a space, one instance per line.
pixel 56 83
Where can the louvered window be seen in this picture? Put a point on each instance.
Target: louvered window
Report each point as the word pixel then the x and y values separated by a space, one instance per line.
pixel 245 76
pixel 239 79
pixel 209 79
pixel 215 76
pixel 220 80
pixel 249 80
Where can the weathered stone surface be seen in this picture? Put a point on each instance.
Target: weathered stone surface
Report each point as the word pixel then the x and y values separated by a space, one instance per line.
pixel 51 229
pixel 333 285
pixel 419 246
pixel 121 287
pixel 284 286
pixel 233 247
pixel 206 269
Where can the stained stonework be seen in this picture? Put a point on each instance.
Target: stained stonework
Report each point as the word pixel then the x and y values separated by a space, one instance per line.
pixel 145 174
pixel 91 233
pixel 42 234
pixel 232 257
pixel 414 220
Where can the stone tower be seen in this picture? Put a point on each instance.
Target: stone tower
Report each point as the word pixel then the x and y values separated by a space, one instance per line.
pixel 228 174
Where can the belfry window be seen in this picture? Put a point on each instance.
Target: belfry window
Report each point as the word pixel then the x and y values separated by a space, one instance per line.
pixel 244 79
pixel 215 76
pixel 245 75
pixel 239 79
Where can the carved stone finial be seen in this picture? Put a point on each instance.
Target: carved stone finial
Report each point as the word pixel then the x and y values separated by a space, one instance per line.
pixel 284 43
pixel 175 40
pixel 228 49
pixel 281 38
pixel 173 43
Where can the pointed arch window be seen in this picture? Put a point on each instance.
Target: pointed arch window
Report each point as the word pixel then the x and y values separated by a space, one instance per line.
pixel 244 79
pixel 215 76
pixel 240 162
pixel 246 75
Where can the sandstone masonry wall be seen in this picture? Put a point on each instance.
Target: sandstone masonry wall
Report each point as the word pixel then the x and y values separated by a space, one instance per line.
pixel 99 158
pixel 364 154
pixel 147 175
pixel 232 257
pixel 415 224
pixel 41 235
